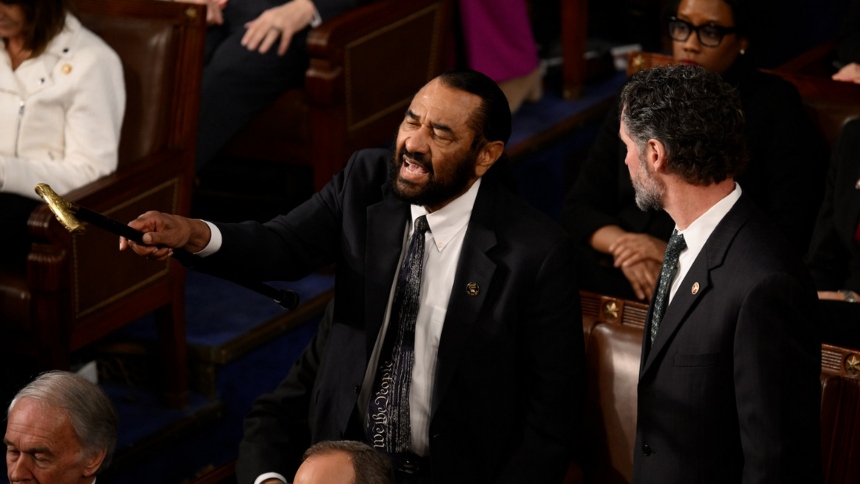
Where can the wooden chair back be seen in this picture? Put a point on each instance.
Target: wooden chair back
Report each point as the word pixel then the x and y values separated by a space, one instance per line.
pixel 613 353
pixel 365 66
pixel 78 289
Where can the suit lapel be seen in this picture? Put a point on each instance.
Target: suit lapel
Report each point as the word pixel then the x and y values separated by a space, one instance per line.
pixel 464 306
pixel 712 256
pixel 386 224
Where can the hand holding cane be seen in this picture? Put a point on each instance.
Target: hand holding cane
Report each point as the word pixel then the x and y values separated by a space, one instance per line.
pixel 69 215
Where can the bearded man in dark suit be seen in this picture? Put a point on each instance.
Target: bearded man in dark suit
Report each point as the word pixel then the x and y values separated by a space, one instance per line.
pixel 729 386
pixel 496 387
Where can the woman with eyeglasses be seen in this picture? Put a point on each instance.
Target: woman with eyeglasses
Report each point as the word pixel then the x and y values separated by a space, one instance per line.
pixel 62 98
pixel 620 248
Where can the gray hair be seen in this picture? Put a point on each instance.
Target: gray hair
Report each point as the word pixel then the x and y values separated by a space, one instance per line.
pixel 370 466
pixel 92 415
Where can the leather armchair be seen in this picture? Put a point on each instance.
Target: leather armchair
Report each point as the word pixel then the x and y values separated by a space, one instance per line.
pixel 79 288
pixel 366 65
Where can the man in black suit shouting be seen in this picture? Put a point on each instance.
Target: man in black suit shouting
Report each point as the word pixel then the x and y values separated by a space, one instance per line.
pixel 729 386
pixel 455 344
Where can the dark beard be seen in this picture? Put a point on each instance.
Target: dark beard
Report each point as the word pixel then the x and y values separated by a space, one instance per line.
pixel 435 193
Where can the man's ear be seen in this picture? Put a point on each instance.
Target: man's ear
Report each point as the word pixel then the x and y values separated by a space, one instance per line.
pixel 489 154
pixel 656 156
pixel 93 461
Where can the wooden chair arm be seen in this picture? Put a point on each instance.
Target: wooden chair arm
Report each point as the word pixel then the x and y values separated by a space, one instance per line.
pixel 105 195
pixel 816 61
pixel 327 40
pixel 328 44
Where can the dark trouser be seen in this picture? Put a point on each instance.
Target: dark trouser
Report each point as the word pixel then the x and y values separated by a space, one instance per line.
pixel 840 323
pixel 14 241
pixel 238 83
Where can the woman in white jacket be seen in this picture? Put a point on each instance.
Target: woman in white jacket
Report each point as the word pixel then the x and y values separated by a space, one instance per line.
pixel 62 99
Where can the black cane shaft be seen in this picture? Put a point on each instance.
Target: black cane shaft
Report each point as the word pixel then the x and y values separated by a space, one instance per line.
pixel 285 298
pixel 114 227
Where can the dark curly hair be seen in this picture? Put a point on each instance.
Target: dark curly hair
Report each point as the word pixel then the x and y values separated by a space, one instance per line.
pixel 695 115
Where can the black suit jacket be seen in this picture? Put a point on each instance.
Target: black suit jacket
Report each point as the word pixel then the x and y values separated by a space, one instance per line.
pixel 834 254
pixel 509 380
pixel 729 392
pixel 783 178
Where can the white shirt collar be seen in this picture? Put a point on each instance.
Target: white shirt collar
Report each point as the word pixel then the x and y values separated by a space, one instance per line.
pixel 446 222
pixel 698 232
pixel 696 235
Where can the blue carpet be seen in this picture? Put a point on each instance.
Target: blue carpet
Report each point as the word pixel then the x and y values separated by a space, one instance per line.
pixel 536 118
pixel 219 311
pixel 544 178
pixel 239 383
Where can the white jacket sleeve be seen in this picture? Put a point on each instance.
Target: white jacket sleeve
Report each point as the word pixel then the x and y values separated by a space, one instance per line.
pixel 89 112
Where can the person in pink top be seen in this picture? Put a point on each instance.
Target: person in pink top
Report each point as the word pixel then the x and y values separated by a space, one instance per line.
pixel 498 41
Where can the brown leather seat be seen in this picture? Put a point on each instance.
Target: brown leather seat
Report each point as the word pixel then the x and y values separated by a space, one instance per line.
pixel 613 353
pixel 77 289
pixel 828 103
pixel 613 370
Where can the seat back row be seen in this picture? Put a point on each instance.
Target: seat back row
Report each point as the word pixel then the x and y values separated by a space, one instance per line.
pixel 613 330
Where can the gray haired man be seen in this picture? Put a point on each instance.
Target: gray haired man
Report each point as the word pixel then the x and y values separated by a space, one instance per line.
pixel 61 429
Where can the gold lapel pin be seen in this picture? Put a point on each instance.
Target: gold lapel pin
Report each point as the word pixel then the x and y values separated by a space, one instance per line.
pixel 472 289
pixel 695 288
pixel 67 68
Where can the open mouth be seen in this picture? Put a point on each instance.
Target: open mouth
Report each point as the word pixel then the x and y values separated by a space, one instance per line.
pixel 412 169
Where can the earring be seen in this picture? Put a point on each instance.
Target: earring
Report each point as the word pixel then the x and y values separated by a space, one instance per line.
pixel 743 51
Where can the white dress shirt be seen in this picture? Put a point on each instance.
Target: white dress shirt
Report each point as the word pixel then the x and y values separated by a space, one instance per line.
pixel 443 245
pixel 697 234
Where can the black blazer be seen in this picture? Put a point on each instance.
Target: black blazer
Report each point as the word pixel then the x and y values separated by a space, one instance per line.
pixel 730 390
pixel 834 254
pixel 509 381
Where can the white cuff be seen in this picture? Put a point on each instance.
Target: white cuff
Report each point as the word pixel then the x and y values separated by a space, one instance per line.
pixel 214 242
pixel 270 475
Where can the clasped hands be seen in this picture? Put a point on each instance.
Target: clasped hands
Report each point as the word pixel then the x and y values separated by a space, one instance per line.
pixel 640 258
pixel 281 22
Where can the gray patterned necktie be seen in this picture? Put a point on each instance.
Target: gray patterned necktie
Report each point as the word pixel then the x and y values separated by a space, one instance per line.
pixel 667 273
pixel 388 428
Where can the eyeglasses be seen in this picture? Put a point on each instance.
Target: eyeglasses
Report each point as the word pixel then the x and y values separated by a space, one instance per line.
pixel 709 35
